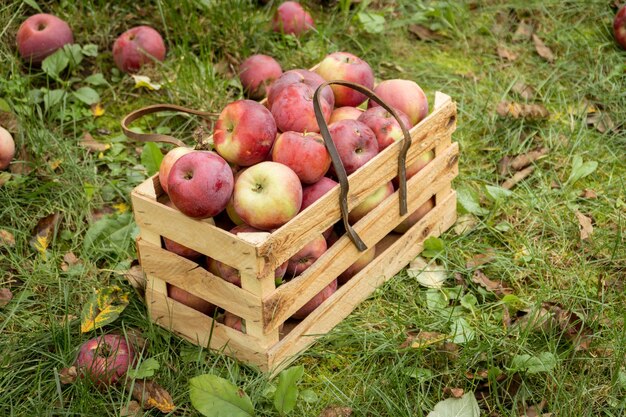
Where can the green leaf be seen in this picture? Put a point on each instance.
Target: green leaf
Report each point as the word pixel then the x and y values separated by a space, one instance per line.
pixel 52 98
pixel 104 307
pixel 581 169
pixel 145 370
pixel 287 391
pixel 497 193
pixel 34 5
pixel 87 95
pixel 466 406
pixel 309 396
pixel 90 50
pixel 110 232
pixel 545 362
pixel 469 301
pixel 461 331
pixel 213 396
pixel 421 374
pixel 55 63
pixel 74 53
pixel 151 157
pixel 433 246
pixel 96 79
pixel 371 22
pixel 436 300
pixel 469 202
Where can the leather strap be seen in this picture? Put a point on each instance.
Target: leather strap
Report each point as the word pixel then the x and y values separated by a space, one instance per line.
pixel 338 165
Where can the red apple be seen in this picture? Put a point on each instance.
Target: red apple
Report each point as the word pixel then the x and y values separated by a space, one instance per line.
pixel 292 109
pixel 345 112
pixel 312 192
pixel 303 76
pixel 412 169
pixel 167 162
pixel 234 322
pixel 244 132
pixel 200 184
pixel 290 17
pixel 619 27
pixel 370 203
pixel 384 125
pixel 7 148
pixel 190 300
pixel 404 95
pixel 416 216
pixel 105 359
pixel 367 257
pixel 305 153
pixel 315 302
pixel 348 67
pixel 305 257
pixel 355 143
pixel 41 35
pixel 137 47
pixel 267 195
pixel 256 73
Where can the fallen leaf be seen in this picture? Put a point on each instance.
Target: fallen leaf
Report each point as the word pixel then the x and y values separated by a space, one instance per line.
pixel 151 395
pixel 100 213
pixel 423 33
pixel 423 339
pixel 518 177
pixel 4 178
pixel 465 223
pixel 523 90
pixel 586 229
pixel 533 410
pixel 523 32
pixel 104 307
pixel 21 163
pixel 600 120
pixel 505 53
pixel 97 110
pixel 136 277
pixel 589 194
pixel 429 274
pixel 132 409
pixel 69 260
pixel 454 392
pixel 466 406
pixel 533 319
pixel 497 287
pixel 68 375
pixel 518 110
pixel 572 326
pixel 542 49
pixel 5 296
pixel 509 164
pixel 6 238
pixel 142 81
pixel 481 259
pixel 44 232
pixel 336 411
pixel 88 142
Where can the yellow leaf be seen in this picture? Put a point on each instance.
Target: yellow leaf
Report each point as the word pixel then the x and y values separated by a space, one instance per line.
pixel 97 110
pixel 55 164
pixel 141 81
pixel 121 207
pixel 41 245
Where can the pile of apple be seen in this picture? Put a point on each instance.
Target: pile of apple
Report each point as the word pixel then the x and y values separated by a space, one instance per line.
pixel 270 163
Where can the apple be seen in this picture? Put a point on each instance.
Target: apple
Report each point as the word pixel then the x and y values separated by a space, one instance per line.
pixel 105 359
pixel 416 216
pixel 41 35
pixel 7 148
pixel 290 17
pixel 137 47
pixel 367 257
pixel 619 26
pixel 200 184
pixel 305 257
pixel 404 95
pixel 312 192
pixel 244 132
pixel 348 67
pixel 355 143
pixel 305 153
pixel 371 202
pixel 267 195
pixel 256 73
pixel 293 110
pixel 167 162
pixel 345 112
pixel 315 302
pixel 234 322
pixel 384 125
pixel 332 238
pixel 190 300
pixel 303 76
pixel 419 164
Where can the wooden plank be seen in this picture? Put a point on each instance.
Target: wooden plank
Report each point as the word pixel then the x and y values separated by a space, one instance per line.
pixel 289 297
pixel 204 331
pixel 399 253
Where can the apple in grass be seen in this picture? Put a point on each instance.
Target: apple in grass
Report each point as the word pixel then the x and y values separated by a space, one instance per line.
pixel 305 257
pixel 363 260
pixel 619 26
pixel 355 142
pixel 371 202
pixel 300 76
pixel 292 108
pixel 345 112
pixel 416 216
pixel 256 73
pixel 244 132
pixel 404 95
pixel 200 184
pixel 192 301
pixel 137 47
pixel 348 67
pixel 7 148
pixel 384 125
pixel 290 17
pixel 167 162
pixel 316 301
pixel 304 153
pixel 105 359
pixel 41 35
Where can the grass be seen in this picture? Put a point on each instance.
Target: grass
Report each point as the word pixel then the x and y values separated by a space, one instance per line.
pixel 533 232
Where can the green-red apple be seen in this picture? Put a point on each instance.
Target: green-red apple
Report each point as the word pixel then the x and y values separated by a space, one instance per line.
pixel 348 67
pixel 167 162
pixel 371 202
pixel 404 95
pixel 305 153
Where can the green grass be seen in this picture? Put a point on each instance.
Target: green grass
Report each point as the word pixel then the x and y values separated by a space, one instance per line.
pixel 360 364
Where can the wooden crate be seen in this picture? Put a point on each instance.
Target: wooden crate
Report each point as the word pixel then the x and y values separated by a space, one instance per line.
pixel 266 307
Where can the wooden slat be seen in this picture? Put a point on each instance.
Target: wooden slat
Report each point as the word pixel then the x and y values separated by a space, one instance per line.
pixel 399 253
pixel 289 297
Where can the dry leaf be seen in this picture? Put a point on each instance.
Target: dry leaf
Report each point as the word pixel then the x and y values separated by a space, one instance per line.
pixel 510 164
pixel 21 164
pixel 518 177
pixel 518 110
pixel 600 120
pixel 4 178
pixel 68 375
pixel 533 410
pixel 497 287
pixel 571 325
pixel 481 259
pixel 523 32
pixel 45 231
pixel 136 277
pixel 589 194
pixel 152 395
pixel 428 274
pixel 586 229
pixel 523 90
pixel 465 223
pixel 506 53
pixel 99 213
pixel 5 296
pixel 88 142
pixel 336 411
pixel 542 49
pixel 132 409
pixel 533 319
pixel 6 238
pixel 423 339
pixel 454 392
pixel 424 34
pixel 69 260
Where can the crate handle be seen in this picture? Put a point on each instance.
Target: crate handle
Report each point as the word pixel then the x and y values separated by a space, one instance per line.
pixel 338 165
pixel 156 137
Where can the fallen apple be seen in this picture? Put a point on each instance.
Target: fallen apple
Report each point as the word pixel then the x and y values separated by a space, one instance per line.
pixel 619 26
pixel 41 35
pixel 290 17
pixel 137 47
pixel 7 148
pixel 105 359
